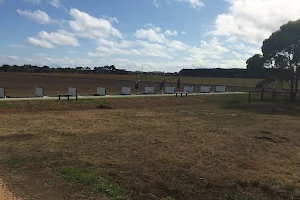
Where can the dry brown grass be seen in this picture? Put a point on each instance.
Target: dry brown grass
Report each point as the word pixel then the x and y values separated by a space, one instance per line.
pixel 189 148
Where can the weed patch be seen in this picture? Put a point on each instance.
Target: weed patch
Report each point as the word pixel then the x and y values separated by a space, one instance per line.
pixel 95 183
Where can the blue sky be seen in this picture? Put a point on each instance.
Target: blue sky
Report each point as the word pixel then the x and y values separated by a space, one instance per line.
pixel 153 35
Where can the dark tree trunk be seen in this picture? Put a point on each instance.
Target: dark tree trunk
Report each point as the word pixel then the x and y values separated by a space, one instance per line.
pixel 294 88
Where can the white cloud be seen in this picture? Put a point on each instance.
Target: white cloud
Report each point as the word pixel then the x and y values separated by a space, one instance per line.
pixel 152 34
pixel 137 48
pixel 55 3
pixel 254 27
pixel 43 59
pixel 40 43
pixel 252 49
pixel 193 3
pixel 212 49
pixel 9 57
pixel 153 49
pixel 234 63
pixel 134 48
pixel 155 3
pixel 35 2
pixel 116 51
pixel 111 19
pixel 240 56
pixel 45 39
pixel 10 60
pixel 38 16
pixel 183 33
pixel 60 38
pixel 121 44
pixel 177 45
pixel 87 26
pixel 151 26
pixel 171 33
pixel 21 46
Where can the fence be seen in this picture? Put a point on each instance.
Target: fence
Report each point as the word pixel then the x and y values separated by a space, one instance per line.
pixel 269 95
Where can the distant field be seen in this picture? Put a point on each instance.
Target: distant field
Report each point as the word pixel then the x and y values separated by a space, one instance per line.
pixel 162 148
pixel 23 84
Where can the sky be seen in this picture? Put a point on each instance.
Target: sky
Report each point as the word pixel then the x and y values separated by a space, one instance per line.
pixel 148 35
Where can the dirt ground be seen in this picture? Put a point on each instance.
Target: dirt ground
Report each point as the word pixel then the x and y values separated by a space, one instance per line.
pixel 151 148
pixel 23 84
pixel 5 194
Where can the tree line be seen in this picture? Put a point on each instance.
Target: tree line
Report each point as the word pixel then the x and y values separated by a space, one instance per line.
pixel 219 73
pixel 228 73
pixel 45 69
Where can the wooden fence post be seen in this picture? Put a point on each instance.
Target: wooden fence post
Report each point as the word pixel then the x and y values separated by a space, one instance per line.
pixel 249 95
pixel 274 94
pixel 262 94
pixel 286 95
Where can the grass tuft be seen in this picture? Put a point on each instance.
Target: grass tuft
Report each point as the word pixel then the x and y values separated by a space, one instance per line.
pixel 92 181
pixel 13 161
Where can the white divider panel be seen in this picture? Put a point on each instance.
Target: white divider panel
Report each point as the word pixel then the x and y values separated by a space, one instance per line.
pixel 189 89
pixel 220 88
pixel 126 90
pixel 2 93
pixel 170 90
pixel 101 91
pixel 205 89
pixel 149 90
pixel 72 91
pixel 39 92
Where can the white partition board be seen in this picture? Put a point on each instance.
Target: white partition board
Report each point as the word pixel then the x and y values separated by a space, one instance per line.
pixel 170 90
pixel 72 91
pixel 189 89
pixel 101 91
pixel 149 90
pixel 39 92
pixel 2 93
pixel 220 88
pixel 126 90
pixel 205 89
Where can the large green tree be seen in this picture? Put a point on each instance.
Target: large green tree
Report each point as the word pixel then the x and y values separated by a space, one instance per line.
pixel 281 51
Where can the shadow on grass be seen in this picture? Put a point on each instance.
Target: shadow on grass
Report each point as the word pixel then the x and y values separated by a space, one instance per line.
pixel 264 107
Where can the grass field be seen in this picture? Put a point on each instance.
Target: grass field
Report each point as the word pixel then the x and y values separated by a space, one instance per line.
pixel 202 147
pixel 22 84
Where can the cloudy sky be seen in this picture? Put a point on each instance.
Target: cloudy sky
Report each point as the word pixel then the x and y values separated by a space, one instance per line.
pixel 153 35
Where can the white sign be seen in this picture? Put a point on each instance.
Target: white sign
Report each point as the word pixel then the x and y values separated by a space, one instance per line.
pixel 39 92
pixel 72 91
pixel 205 89
pixel 189 89
pixel 170 90
pixel 149 90
pixel 101 91
pixel 220 88
pixel 126 90
pixel 2 93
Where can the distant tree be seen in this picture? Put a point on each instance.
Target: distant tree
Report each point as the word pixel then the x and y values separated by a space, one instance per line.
pixel 281 51
pixel 112 68
pixel 255 62
pixel 79 68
